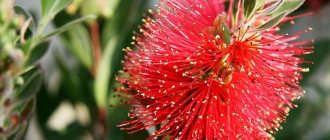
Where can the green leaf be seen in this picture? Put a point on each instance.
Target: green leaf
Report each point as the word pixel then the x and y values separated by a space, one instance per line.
pixel 226 31
pixel 21 11
pixel 222 29
pixel 37 53
pixel 69 25
pixel 52 7
pixel 115 36
pixel 259 4
pixel 49 10
pixel 249 6
pixel 32 83
pixel 103 74
pixel 273 22
pixel 235 10
pixel 287 6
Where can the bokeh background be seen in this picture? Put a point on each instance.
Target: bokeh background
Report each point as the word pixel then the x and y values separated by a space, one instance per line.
pixel 78 100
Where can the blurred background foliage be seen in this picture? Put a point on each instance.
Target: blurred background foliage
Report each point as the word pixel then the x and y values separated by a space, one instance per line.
pixel 77 100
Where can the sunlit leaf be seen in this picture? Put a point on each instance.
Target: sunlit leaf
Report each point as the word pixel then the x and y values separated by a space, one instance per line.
pixel 235 9
pixel 286 6
pixel 249 6
pixel 273 22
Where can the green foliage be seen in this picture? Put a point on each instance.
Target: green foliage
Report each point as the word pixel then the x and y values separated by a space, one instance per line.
pixel 286 6
pixel 32 82
pixel 90 78
pixel 272 22
pixel 69 25
pixel 21 76
pixel 52 7
pixel 37 53
pixel 21 11
pixel 249 6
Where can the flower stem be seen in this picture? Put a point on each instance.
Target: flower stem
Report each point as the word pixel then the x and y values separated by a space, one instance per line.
pixel 96 49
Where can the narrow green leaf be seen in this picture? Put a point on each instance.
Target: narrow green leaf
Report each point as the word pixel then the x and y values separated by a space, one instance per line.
pixel 249 6
pixel 221 28
pixel 69 25
pixel 259 4
pixel 272 22
pixel 226 31
pixel 52 7
pixel 272 5
pixel 287 6
pixel 103 74
pixel 37 53
pixel 21 11
pixel 236 5
pixel 25 46
pixel 49 10
pixel 32 83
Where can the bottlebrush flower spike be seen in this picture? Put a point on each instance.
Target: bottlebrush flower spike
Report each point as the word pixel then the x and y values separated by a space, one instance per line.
pixel 201 70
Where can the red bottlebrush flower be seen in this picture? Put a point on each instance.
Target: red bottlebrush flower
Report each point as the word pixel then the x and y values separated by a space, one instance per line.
pixel 204 71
